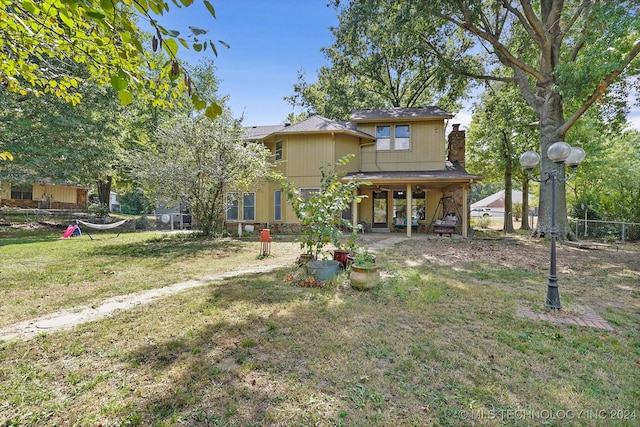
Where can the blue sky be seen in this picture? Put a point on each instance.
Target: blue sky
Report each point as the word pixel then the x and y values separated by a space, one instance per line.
pixel 270 41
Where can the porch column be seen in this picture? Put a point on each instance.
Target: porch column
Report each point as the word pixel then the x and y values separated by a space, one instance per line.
pixel 409 210
pixel 354 214
pixel 465 213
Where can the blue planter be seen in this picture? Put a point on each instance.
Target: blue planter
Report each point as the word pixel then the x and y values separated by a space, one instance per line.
pixel 323 270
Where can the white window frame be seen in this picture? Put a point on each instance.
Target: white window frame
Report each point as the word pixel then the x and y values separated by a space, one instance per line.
pixel 277 205
pixel 405 140
pixel 233 202
pixel 383 143
pixel 249 211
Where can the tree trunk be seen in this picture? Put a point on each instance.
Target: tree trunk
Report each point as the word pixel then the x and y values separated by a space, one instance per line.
pixel 104 190
pixel 551 119
pixel 508 184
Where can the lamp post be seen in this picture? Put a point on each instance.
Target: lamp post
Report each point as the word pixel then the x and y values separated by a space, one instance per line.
pixel 561 153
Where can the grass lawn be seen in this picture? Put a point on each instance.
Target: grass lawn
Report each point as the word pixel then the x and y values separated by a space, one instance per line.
pixel 438 342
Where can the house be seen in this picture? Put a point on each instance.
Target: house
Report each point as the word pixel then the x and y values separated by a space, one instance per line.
pixel 401 153
pixel 43 195
pixel 493 205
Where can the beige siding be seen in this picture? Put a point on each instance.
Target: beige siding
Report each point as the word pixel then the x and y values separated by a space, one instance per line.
pixel 427 152
pixel 305 154
pixel 5 190
pixel 346 144
pixel 55 193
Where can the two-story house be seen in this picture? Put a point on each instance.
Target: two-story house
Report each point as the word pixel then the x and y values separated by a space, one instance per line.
pixel 413 174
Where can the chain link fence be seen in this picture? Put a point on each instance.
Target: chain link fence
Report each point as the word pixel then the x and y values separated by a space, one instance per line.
pixel 609 231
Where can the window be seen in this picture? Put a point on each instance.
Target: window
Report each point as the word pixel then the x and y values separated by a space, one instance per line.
pixel 22 191
pixel 232 206
pixel 418 208
pixel 401 140
pixel 399 204
pixel 383 137
pixel 249 206
pixel 306 193
pixel 277 205
pixel 279 150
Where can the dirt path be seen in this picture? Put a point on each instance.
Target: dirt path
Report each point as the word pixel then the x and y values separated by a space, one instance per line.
pixel 69 318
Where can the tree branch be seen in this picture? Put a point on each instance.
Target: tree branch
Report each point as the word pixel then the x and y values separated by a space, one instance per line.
pixel 605 82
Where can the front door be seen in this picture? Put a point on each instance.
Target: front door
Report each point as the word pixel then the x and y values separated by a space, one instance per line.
pixel 380 209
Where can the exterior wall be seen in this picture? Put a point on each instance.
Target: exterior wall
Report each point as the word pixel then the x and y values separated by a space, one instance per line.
pixel 427 150
pixel 346 144
pixel 47 196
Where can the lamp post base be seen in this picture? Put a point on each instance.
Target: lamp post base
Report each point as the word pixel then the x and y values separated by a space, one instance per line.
pixel 553 296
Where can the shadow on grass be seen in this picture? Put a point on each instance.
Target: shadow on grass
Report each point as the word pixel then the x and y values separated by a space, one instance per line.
pixel 169 247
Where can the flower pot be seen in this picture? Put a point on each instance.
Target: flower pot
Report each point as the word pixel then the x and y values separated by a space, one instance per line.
pixel 324 269
pixel 305 258
pixel 341 255
pixel 364 278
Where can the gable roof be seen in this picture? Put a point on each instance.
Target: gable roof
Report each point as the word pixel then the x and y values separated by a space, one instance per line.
pixel 407 113
pixel 516 197
pixel 313 124
pixel 259 132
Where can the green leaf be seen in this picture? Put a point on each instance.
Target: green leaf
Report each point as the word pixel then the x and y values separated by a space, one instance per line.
pixel 197 47
pixel 186 2
pixel 209 6
pixel 125 97
pixel 171 46
pixel 225 44
pixel 106 4
pixel 95 14
pixel 213 48
pixel 213 111
pixel 198 104
pixel 198 31
pixel 118 83
pixel 184 43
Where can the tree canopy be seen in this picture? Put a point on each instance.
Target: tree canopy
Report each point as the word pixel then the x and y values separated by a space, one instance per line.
pixel 564 56
pixel 41 40
pixel 373 65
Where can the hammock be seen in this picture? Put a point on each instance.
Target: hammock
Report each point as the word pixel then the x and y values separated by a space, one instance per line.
pixel 101 226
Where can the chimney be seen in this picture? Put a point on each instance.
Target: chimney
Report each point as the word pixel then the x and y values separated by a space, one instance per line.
pixel 456 147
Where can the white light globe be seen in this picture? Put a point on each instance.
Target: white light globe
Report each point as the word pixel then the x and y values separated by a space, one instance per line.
pixel 576 157
pixel 558 151
pixel 529 159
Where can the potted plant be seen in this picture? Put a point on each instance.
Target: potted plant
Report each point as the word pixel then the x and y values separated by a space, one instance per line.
pixel 320 214
pixel 364 271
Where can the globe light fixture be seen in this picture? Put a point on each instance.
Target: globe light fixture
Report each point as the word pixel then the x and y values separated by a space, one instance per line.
pixel 561 153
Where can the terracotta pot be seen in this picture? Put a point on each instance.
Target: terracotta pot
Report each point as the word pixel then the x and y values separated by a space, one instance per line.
pixel 341 255
pixel 364 278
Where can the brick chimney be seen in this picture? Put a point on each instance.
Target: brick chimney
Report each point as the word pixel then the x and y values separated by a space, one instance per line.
pixel 456 148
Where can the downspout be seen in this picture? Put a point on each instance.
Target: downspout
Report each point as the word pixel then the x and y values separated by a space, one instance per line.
pixel 409 209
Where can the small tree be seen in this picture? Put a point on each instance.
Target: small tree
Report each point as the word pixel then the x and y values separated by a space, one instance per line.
pixel 321 214
pixel 197 160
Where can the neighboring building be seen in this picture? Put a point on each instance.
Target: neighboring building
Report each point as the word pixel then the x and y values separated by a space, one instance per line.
pixel 493 205
pixel 43 196
pixel 114 204
pixel 401 152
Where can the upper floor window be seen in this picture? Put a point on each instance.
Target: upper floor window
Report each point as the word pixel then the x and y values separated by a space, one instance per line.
pixel 401 138
pixel 22 191
pixel 279 150
pixel 383 137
